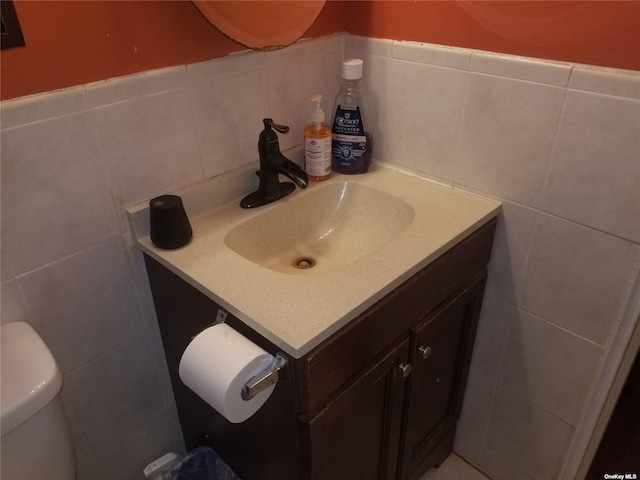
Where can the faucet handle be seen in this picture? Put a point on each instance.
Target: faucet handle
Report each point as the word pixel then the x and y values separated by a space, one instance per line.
pixel 268 136
pixel 269 123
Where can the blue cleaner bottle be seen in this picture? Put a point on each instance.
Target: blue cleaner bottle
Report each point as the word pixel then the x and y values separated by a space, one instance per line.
pixel 351 145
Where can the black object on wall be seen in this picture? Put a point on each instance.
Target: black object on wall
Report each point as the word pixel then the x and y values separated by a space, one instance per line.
pixel 11 31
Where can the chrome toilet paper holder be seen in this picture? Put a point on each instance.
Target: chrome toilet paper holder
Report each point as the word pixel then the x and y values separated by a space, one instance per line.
pixel 265 378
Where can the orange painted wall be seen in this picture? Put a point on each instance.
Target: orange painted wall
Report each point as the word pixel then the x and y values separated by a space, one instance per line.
pixel 605 33
pixel 76 42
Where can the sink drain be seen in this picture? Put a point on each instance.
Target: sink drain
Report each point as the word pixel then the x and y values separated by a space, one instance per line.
pixel 304 263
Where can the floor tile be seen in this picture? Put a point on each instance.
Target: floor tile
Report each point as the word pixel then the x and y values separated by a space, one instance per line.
pixel 454 468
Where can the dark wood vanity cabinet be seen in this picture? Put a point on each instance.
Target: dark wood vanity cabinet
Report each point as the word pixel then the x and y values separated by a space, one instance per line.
pixel 356 434
pixel 441 349
pixel 377 400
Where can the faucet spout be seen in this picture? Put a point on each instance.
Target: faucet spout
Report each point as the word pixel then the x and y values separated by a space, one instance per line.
pixel 292 171
pixel 272 164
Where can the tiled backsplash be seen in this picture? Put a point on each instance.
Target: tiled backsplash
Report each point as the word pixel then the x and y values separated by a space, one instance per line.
pixel 72 160
pixel 559 144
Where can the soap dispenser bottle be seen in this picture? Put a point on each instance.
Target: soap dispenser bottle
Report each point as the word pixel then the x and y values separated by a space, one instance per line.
pixel 352 147
pixel 317 144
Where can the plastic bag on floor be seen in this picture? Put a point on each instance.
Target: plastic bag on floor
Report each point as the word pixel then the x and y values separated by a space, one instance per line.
pixel 201 464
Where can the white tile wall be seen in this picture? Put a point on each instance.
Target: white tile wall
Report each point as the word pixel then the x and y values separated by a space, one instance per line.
pixel 558 380
pixel 226 119
pixel 421 132
pixel 511 246
pixel 557 143
pixel 91 297
pixel 148 141
pixel 59 214
pixel 506 136
pixel 587 179
pixel 72 161
pixel 474 419
pixel 525 436
pixel 577 277
pixel 491 337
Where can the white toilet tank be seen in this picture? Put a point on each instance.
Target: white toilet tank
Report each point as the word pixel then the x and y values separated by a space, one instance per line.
pixel 36 436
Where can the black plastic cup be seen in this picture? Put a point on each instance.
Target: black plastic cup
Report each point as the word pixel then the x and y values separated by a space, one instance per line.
pixel 169 224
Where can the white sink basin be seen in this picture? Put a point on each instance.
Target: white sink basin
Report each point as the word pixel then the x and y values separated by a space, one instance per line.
pixel 363 234
pixel 325 229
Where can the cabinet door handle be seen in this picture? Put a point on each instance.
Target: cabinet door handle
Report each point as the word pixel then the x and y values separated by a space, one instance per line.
pixel 425 351
pixel 405 370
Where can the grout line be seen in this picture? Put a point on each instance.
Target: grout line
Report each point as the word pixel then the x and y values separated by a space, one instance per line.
pixel 554 144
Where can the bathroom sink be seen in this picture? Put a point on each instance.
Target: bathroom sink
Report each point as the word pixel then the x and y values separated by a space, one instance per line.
pixel 299 269
pixel 321 230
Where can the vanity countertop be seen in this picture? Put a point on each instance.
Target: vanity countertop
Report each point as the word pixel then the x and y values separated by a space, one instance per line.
pixel 298 311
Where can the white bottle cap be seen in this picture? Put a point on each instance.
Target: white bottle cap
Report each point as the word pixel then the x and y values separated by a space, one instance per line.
pixel 352 69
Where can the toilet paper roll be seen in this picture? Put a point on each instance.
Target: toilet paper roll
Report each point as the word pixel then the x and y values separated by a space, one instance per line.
pixel 216 365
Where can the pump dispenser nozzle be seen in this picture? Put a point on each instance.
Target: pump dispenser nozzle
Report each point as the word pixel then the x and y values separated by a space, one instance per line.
pixel 317 117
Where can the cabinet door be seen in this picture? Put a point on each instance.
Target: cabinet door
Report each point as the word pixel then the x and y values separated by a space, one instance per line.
pixel 441 352
pixel 356 435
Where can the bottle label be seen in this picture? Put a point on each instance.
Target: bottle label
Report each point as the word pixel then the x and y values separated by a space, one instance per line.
pixel 350 144
pixel 317 156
